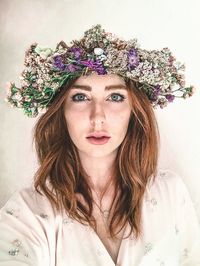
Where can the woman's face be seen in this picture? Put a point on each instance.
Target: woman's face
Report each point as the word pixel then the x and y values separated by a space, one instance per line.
pixel 97 103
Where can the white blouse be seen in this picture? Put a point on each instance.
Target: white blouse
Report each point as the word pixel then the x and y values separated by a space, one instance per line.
pixel 31 233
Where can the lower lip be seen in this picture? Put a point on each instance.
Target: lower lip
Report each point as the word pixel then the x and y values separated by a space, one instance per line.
pixel 98 141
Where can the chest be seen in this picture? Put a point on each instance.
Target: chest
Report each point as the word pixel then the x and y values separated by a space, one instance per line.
pixel 155 247
pixel 112 245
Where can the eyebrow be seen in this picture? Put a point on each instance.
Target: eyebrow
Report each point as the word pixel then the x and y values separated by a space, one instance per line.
pixel 107 88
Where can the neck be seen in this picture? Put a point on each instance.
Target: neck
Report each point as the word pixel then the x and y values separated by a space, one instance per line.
pixel 99 170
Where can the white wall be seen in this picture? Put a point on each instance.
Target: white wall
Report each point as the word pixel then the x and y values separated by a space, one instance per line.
pixel 156 24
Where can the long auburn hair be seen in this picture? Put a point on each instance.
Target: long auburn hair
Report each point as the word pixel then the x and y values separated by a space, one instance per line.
pixel 61 175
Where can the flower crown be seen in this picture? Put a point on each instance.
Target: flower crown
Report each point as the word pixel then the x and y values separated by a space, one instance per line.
pixel 158 73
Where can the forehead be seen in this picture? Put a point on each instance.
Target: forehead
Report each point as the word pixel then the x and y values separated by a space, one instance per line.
pixel 100 81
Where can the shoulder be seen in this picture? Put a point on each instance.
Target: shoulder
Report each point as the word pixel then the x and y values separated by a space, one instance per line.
pixel 168 187
pixel 167 180
pixel 28 201
pixel 27 226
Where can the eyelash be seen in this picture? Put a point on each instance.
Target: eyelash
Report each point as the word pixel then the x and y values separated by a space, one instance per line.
pixel 122 97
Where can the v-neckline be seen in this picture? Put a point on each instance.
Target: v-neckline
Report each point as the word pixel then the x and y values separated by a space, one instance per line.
pixel 105 249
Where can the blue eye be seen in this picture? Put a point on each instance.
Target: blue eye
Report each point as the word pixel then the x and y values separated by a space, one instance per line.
pixel 120 99
pixel 76 98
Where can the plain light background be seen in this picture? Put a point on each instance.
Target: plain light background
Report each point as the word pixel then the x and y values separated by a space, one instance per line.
pixel 155 23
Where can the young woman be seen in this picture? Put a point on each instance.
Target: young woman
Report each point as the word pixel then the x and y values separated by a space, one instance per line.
pixel 98 196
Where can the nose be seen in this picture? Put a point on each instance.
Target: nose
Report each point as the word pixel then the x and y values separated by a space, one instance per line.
pixel 97 116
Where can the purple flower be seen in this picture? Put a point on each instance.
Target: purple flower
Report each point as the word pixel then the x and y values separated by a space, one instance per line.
pixel 157 89
pixel 77 52
pixel 133 59
pixel 170 97
pixel 58 63
pixel 71 68
pixel 94 65
pixel 155 93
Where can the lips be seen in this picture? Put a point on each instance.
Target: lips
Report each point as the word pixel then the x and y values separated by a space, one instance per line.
pixel 98 141
pixel 98 135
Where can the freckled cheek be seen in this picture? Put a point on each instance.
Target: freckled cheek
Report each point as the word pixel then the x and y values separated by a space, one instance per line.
pixel 77 111
pixel 73 118
pixel 119 122
pixel 123 114
pixel 77 120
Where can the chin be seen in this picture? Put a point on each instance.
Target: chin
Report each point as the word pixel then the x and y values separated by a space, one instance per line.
pixel 98 151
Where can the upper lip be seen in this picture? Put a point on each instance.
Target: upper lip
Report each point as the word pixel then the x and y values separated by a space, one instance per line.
pixel 98 134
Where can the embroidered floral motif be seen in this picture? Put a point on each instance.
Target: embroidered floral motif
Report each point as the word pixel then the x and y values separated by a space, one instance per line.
pixel 148 247
pixel 154 201
pixel 45 216
pixel 67 220
pixel 185 253
pixel 13 252
pixel 13 212
pixel 9 211
pixel 17 243
pixel 17 246
pixel 162 174
pixel 151 203
pixel 68 223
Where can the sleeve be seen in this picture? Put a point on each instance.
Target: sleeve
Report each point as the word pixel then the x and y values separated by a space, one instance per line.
pixel 22 238
pixel 187 226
